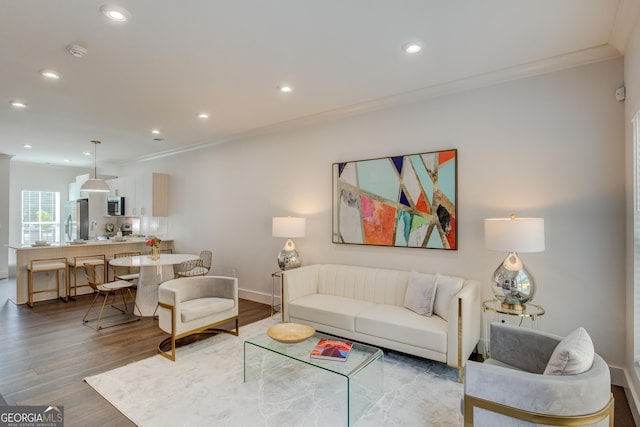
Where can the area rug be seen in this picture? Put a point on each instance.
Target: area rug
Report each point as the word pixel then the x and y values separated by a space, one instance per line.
pixel 205 386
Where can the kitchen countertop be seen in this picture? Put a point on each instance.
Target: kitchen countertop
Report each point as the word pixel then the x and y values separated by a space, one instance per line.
pixel 87 243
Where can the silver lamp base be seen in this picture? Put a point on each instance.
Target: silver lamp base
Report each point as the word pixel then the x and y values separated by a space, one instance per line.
pixel 289 259
pixel 512 284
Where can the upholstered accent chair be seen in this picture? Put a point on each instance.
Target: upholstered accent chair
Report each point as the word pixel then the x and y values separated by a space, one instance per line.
pixel 533 377
pixel 193 305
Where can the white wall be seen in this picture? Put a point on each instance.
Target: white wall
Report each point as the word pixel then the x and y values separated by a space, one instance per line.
pixel 632 106
pixel 5 167
pixel 551 146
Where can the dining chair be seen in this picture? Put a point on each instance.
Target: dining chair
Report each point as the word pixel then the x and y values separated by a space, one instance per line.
pixel 108 290
pixel 130 274
pixel 196 267
pixel 77 262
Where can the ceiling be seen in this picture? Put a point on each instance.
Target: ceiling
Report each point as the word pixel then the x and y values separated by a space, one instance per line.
pixel 172 60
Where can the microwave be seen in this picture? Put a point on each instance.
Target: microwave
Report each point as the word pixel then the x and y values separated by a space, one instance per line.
pixel 115 206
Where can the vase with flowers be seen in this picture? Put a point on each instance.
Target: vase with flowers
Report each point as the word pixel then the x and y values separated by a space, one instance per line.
pixel 154 243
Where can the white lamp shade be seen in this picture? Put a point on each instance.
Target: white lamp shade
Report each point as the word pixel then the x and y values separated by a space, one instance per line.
pixel 95 185
pixel 514 234
pixel 288 227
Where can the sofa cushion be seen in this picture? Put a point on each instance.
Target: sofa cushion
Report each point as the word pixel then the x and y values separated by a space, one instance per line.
pixel 448 286
pixel 401 325
pixel 421 292
pixel 203 307
pixel 573 355
pixel 330 310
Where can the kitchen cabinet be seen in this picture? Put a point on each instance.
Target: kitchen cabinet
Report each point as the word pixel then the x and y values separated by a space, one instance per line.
pixel 124 187
pixel 155 194
pixel 144 195
pixel 74 187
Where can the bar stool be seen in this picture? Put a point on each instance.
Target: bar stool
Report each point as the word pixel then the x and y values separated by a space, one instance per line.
pixel 78 264
pixel 44 265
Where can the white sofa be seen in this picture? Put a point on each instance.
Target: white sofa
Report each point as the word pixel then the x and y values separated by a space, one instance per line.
pixel 368 305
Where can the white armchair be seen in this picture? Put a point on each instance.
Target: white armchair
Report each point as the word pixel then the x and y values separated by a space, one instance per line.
pixel 514 387
pixel 193 305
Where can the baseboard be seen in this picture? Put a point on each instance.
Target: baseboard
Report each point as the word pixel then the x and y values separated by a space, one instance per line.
pixel 251 295
pixel 632 396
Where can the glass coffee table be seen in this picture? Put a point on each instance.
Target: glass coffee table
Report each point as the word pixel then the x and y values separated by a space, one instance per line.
pixel 353 385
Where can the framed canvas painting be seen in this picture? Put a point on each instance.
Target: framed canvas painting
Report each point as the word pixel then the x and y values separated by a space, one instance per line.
pixel 403 201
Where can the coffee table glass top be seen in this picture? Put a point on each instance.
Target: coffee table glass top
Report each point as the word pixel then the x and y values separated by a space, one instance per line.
pixel 353 386
pixel 359 357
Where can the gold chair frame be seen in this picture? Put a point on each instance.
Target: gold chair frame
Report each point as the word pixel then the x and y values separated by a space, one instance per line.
pixel 185 269
pixel 78 262
pixel 34 267
pixel 471 402
pixel 106 291
pixel 125 271
pixel 208 329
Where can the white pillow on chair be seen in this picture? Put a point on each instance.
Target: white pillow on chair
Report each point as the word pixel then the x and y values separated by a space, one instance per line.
pixel 573 355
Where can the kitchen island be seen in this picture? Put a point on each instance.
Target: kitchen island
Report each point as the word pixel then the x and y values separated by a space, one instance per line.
pixel 21 256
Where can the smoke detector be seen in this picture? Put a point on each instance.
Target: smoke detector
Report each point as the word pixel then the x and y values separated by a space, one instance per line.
pixel 76 50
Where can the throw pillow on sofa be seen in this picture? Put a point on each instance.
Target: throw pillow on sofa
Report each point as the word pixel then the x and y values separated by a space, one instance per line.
pixel 421 293
pixel 573 355
pixel 448 286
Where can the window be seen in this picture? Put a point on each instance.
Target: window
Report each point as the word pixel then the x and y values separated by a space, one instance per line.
pixel 40 216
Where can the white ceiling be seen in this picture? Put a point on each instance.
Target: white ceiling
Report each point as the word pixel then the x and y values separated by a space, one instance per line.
pixel 172 60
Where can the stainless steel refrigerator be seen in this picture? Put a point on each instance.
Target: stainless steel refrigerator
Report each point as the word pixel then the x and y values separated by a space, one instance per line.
pixel 76 220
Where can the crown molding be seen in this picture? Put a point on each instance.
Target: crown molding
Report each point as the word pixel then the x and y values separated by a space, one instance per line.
pixel 530 69
pixel 626 18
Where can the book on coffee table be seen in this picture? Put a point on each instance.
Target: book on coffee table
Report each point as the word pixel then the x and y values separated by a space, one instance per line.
pixel 331 349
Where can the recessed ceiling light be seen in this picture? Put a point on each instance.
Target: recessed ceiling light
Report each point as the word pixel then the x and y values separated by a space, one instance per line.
pixel 50 74
pixel 18 104
pixel 155 131
pixel 203 116
pixel 115 13
pixel 28 146
pixel 67 161
pixel 413 47
pixel 285 88
pixel 86 153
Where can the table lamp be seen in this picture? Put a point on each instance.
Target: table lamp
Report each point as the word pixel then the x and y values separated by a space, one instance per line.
pixel 288 227
pixel 512 284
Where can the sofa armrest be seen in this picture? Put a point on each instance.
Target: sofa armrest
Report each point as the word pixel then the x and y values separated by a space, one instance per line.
pixel 522 348
pixel 297 283
pixel 463 333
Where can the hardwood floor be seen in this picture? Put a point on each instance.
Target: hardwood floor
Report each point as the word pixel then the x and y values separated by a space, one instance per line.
pixel 47 352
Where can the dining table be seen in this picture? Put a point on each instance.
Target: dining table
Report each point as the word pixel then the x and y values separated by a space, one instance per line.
pixel 152 274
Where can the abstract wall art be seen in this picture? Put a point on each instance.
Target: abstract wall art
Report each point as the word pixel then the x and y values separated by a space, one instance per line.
pixel 402 201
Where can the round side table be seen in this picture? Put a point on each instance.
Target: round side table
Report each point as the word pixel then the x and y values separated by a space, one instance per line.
pixel 495 312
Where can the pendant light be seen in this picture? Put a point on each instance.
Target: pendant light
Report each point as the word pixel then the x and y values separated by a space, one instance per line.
pixel 95 185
